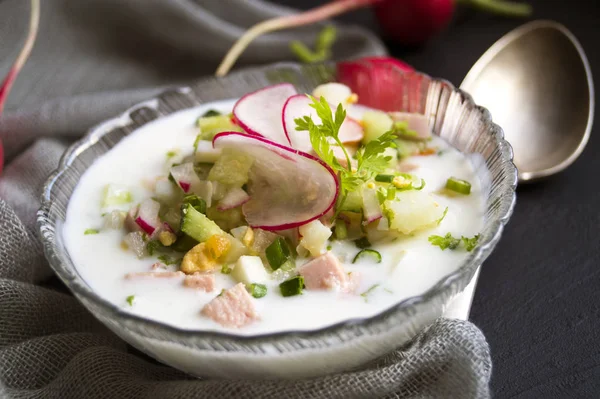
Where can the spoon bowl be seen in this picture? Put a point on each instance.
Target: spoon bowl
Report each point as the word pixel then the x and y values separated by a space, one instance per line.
pixel 537 84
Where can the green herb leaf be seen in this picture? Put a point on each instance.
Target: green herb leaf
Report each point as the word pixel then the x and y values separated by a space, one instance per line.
pixel 444 242
pixel 168 261
pixel 470 243
pixel 362 243
pixel 172 153
pixel 130 299
pixel 211 112
pixel 91 231
pixel 371 160
pixel 153 246
pixel 226 269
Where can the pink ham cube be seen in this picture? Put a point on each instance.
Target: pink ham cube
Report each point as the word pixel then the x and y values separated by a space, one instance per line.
pixel 204 282
pixel 233 308
pixel 324 272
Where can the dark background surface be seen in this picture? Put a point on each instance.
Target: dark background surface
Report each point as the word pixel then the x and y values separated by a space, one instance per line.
pixel 538 296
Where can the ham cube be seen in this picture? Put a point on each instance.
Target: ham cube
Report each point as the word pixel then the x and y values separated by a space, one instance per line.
pixel 205 282
pixel 233 308
pixel 324 272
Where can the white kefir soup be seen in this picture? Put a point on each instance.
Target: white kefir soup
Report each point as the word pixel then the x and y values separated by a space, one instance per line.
pixel 276 212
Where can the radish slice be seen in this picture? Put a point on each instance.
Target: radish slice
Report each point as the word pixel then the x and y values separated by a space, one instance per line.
pixel 382 84
pixel 259 112
pixel 147 216
pixel 371 205
pixel 287 187
pixel 188 180
pixel 298 106
pixel 234 198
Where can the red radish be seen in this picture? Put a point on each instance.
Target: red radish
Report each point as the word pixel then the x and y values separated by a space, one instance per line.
pixel 382 85
pixel 287 187
pixel 298 106
pixel 259 112
pixel 371 206
pixel 403 66
pixel 188 180
pixel 413 22
pixel 147 216
pixel 234 198
pixel 34 20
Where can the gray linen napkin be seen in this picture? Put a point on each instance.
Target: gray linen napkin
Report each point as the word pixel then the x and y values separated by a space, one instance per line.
pixel 94 58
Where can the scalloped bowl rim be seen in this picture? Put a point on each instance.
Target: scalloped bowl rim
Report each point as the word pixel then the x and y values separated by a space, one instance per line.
pixel 471 264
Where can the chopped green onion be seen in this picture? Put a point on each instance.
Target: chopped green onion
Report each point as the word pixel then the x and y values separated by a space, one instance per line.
pixel 443 216
pixel 114 195
pixel 196 202
pixel 341 230
pixel 130 299
pixel 211 112
pixel 367 292
pixel 420 187
pixel 391 193
pixel 368 252
pixel 226 269
pixel 384 178
pixel 458 185
pixel 470 243
pixel 440 153
pixel 292 286
pixel 171 154
pixel 257 290
pixel 329 247
pixel 91 231
pixel 277 253
pixel 362 243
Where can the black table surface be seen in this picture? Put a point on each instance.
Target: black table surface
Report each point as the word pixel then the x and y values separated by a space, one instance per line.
pixel 538 296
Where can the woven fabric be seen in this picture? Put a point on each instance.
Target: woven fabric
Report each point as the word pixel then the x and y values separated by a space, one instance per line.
pixel 93 59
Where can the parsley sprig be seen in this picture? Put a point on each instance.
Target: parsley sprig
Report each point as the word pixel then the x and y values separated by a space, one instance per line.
pixel 323 137
pixel 449 242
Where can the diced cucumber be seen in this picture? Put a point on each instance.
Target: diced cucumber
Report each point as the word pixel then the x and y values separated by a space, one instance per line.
pixel 210 126
pixel 352 203
pixel 197 225
pixel 231 168
pixel 201 228
pixel 114 196
pixel 375 123
pixel 227 219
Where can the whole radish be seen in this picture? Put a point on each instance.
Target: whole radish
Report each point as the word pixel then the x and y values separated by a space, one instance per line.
pixel 413 22
pixel 20 61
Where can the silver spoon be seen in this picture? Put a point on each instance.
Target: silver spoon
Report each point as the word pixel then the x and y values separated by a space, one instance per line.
pixel 537 84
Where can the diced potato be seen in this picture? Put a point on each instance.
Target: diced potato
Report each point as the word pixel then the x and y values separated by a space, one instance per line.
pixel 375 124
pixel 334 93
pixel 167 238
pixel 314 237
pixel 250 269
pixel 205 153
pixel 413 210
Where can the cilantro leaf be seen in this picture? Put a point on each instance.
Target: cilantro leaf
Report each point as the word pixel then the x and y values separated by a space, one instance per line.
pixel 444 242
pixel 130 299
pixel 470 243
pixel 371 160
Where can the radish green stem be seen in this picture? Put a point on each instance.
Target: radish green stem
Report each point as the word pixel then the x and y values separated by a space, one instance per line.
pixel 506 8
pixel 23 55
pixel 289 21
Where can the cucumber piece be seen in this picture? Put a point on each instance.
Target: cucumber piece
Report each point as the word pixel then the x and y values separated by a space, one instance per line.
pixel 210 126
pixel 201 228
pixel 353 202
pixel 231 168
pixel 375 124
pixel 197 225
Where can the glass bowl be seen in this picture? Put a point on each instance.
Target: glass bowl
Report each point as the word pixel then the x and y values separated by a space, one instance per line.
pixel 290 354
